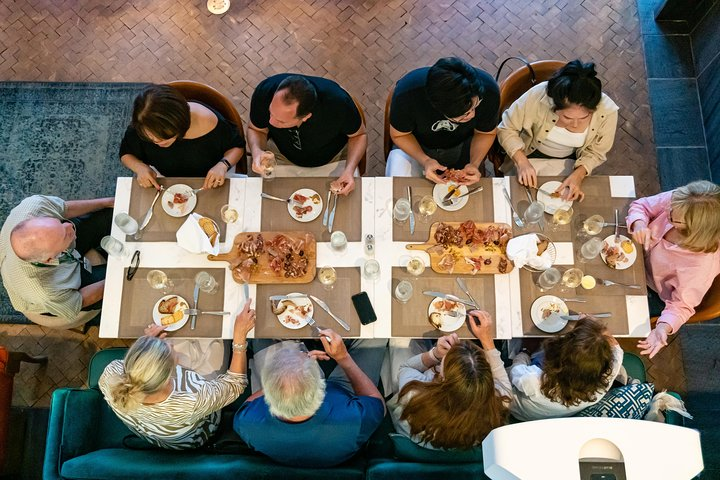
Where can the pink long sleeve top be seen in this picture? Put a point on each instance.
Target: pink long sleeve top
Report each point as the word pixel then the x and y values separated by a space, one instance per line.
pixel 680 277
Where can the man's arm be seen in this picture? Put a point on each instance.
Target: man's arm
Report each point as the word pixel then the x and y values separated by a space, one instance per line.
pixel 480 146
pixel 75 208
pixel 357 147
pixel 257 143
pixel 407 142
pixel 92 293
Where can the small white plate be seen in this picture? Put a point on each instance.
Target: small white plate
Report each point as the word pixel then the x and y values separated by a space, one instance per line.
pixel 552 204
pixel 628 258
pixel 178 209
pixel 317 208
pixel 293 318
pixel 181 305
pixel 550 304
pixel 450 323
pixel 442 189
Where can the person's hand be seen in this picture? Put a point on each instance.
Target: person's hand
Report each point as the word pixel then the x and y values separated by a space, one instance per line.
pixel 655 341
pixel 569 189
pixel 258 164
pixel 642 234
pixel 444 344
pixel 146 176
pixel 471 174
pixel 527 175
pixel 318 355
pixel 430 171
pixel 335 347
pixel 344 184
pixel 155 330
pixel 481 326
pixel 244 322
pixel 215 176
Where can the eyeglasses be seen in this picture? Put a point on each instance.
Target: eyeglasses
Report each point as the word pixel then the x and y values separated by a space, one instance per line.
pixel 134 265
pixel 670 216
pixel 466 114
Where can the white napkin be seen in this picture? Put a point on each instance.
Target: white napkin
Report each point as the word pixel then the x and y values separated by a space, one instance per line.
pixel 192 238
pixel 523 250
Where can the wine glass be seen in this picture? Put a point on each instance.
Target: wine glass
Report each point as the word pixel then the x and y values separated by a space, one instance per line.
pixel 206 283
pixel 159 281
pixel 426 208
pixel 228 214
pixel 572 277
pixel 593 225
pixel 415 266
pixel 327 276
pixel 562 216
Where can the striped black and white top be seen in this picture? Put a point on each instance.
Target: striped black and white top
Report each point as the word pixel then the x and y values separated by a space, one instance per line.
pixel 188 417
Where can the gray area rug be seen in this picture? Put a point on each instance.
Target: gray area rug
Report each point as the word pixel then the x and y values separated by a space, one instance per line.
pixel 701 351
pixel 60 139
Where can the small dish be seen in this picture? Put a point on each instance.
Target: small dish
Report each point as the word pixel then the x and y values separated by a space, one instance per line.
pixel 307 201
pixel 541 313
pixel 615 256
pixel 179 306
pixel 448 323
pixel 295 315
pixel 172 205
pixel 552 203
pixel 442 189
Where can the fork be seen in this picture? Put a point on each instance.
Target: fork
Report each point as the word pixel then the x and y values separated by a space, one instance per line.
pixel 451 200
pixel 609 283
pixel 272 197
pixel 195 191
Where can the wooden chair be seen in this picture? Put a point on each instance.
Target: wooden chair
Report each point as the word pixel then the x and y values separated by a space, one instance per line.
pixel 387 141
pixel 708 309
pixel 363 161
pixel 208 95
pixel 513 86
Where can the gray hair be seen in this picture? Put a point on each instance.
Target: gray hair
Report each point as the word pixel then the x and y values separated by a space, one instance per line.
pixel 293 383
pixel 24 237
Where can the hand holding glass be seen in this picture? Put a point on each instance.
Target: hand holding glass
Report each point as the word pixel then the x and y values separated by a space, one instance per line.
pixel 268 163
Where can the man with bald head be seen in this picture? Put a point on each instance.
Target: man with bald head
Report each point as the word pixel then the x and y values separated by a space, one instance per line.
pixel 42 244
pixel 313 124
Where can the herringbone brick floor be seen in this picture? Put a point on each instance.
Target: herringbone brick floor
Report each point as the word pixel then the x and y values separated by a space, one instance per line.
pixel 365 46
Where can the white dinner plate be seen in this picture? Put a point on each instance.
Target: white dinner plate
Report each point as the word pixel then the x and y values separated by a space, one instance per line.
pixel 552 204
pixel 294 317
pixel 442 189
pixel 626 260
pixel 541 309
pixel 314 200
pixel 449 323
pixel 181 305
pixel 178 209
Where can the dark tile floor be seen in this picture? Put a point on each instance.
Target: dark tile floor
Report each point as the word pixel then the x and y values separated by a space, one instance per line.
pixel 365 46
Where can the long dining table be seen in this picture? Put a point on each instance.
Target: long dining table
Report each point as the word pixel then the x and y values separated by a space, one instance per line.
pixel 368 210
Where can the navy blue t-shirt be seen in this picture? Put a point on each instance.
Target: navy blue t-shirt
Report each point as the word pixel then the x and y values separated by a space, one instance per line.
pixel 323 135
pixel 342 424
pixel 411 111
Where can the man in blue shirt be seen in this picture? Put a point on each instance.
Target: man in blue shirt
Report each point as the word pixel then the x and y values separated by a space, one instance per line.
pixel 299 418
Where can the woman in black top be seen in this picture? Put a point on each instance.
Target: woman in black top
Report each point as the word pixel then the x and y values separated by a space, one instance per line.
pixel 178 138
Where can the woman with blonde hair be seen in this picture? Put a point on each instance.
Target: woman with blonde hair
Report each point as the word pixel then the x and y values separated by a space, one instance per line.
pixel 680 232
pixel 166 404
pixel 453 395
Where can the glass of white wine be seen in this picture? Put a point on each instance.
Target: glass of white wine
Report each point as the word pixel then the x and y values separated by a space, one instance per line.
pixel 159 281
pixel 426 208
pixel 228 214
pixel 327 276
pixel 572 277
pixel 415 266
pixel 268 163
pixel 593 224
pixel 562 216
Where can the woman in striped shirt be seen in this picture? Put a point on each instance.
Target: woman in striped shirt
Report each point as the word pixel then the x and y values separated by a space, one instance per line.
pixel 169 405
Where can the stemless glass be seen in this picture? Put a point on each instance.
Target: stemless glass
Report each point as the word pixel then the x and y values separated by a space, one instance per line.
pixel 228 214
pixel 126 223
pixel 590 249
pixel 206 282
pixel 426 208
pixel 371 269
pixel 548 279
pixel 159 281
pixel 338 241
pixel 403 291
pixel 534 213
pixel 401 211
pixel 572 277
pixel 113 246
pixel 327 276
pixel 415 266
pixel 268 163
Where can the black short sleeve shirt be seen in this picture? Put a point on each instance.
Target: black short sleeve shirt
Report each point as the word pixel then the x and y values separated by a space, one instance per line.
pixel 323 135
pixel 185 157
pixel 411 111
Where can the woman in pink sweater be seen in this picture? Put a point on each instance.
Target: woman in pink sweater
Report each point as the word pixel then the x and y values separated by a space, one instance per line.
pixel 680 231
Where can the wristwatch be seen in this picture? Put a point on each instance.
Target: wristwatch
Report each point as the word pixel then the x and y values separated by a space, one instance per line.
pixel 227 164
pixel 239 347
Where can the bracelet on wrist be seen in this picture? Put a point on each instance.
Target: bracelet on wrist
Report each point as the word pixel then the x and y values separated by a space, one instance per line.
pixel 239 347
pixel 226 163
pixel 432 354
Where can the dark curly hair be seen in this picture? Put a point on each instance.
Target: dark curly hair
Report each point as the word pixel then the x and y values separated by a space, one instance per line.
pixel 575 83
pixel 577 364
pixel 451 86
pixel 162 111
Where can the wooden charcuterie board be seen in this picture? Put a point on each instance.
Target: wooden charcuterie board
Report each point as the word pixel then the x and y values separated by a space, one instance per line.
pixel 490 252
pixel 263 273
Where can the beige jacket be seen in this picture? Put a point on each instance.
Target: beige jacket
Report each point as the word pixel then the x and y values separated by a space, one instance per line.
pixel 527 122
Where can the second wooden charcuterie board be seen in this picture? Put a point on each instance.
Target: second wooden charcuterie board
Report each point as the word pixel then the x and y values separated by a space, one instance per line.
pixel 467 248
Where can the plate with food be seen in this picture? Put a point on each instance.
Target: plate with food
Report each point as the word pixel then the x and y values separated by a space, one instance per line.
pixel 441 190
pixel 545 313
pixel 169 312
pixel 305 205
pixel 292 312
pixel 552 201
pixel 620 254
pixel 179 200
pixel 446 315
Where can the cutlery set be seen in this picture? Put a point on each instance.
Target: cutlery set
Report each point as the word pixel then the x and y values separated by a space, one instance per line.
pixel 449 200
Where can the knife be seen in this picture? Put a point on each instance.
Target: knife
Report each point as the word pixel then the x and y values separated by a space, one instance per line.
pixel 516 218
pixel 453 298
pixel 276 298
pixel 464 288
pixel 327 210
pixel 332 214
pixel 325 307
pixel 617 225
pixel 196 293
pixel 469 192
pixel 451 192
pixel 412 214
pixel 149 213
pixel 246 290
pixel 577 317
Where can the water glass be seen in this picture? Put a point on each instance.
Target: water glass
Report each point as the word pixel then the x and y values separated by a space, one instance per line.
pixel 126 223
pixel 268 163
pixel 401 211
pixel 572 277
pixel 327 276
pixel 159 281
pixel 206 283
pixel 548 279
pixel 404 291
pixel 229 214
pixel 113 246
pixel 371 269
pixel 590 249
pixel 338 241
pixel 534 213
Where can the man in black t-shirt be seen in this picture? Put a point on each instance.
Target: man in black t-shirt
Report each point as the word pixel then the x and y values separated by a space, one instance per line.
pixel 441 117
pixel 310 120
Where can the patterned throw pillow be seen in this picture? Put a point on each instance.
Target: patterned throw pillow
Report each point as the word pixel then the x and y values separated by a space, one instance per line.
pixel 630 401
